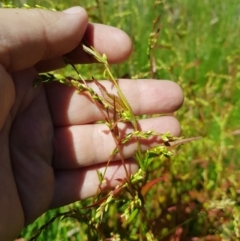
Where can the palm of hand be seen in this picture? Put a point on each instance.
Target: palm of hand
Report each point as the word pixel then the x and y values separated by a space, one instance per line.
pixel 29 149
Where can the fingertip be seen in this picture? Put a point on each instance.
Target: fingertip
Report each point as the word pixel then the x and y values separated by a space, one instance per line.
pixel 123 48
pixel 75 10
pixel 171 93
pixel 177 93
pixel 175 126
pixel 165 124
pixel 113 42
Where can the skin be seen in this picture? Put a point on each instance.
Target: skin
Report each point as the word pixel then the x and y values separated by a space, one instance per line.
pixel 49 148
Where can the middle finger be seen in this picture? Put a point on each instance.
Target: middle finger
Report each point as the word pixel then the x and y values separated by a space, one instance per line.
pixel 145 97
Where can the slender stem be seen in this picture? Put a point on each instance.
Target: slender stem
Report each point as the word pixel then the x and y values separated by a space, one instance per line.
pixel 123 98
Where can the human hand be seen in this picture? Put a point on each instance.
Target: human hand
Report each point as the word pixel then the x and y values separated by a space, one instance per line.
pixel 50 150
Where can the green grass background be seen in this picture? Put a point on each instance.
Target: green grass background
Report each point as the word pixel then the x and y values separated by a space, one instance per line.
pixel 199 48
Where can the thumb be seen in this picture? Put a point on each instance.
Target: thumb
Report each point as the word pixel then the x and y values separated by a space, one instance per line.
pixel 28 36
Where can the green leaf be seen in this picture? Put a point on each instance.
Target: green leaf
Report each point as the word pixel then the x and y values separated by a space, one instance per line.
pixel 132 216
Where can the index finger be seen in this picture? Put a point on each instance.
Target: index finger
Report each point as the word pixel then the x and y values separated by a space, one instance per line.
pixel 145 97
pixel 105 39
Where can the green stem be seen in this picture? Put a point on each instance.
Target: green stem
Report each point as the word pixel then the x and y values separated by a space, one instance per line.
pixel 127 105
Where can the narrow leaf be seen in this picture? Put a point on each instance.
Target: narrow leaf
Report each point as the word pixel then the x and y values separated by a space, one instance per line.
pixel 182 141
pixel 132 216
pixel 149 184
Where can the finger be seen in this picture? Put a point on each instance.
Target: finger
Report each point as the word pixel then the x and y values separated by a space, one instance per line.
pixel 84 145
pixel 145 97
pixel 73 185
pixel 105 39
pixel 33 35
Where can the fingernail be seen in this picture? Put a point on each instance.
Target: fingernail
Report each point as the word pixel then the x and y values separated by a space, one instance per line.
pixel 73 10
